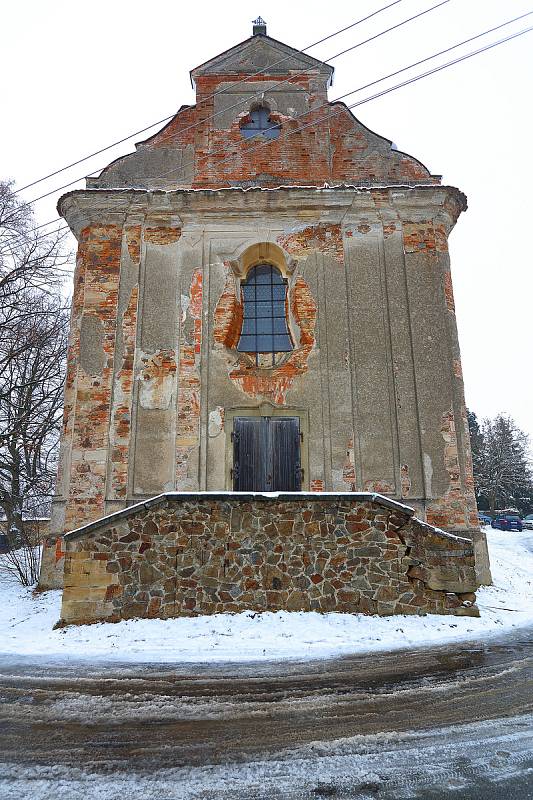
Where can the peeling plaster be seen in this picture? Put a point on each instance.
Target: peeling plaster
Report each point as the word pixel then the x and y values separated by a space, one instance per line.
pixel 188 422
pixel 92 354
pixel 405 479
pixel 348 473
pixel 216 421
pixel 428 474
pixel 156 379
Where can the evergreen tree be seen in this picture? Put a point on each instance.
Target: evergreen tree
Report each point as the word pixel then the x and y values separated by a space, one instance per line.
pixel 502 468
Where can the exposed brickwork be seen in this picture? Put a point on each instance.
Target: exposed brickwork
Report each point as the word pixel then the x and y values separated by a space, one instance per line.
pixel 273 384
pixel 162 235
pixel 325 144
pixel 188 421
pixel 304 309
pixel 99 263
pixel 456 509
pixel 348 472
pixel 405 480
pixel 59 550
pixel 419 236
pixel 317 485
pixel 133 242
pixel 120 432
pixel 448 291
pixel 381 487
pixel 324 238
pixel 228 314
pixel 389 228
pixel 210 555
pixel 441 238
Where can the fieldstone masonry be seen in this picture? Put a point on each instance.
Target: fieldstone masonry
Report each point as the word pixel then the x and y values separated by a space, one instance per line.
pixel 182 555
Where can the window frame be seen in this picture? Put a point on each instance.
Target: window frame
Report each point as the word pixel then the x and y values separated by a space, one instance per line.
pixel 261 312
pixel 249 130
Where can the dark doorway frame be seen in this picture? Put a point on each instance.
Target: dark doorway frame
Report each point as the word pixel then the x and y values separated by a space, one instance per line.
pixel 268 410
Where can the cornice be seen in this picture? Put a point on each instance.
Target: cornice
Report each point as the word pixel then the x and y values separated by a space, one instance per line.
pixel 336 204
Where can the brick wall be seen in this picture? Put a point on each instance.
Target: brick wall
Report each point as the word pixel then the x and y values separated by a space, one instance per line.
pixel 323 144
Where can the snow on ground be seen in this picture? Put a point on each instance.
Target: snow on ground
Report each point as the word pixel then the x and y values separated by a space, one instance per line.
pixel 26 624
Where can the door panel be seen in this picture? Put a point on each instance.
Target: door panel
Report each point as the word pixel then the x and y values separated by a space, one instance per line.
pixel 266 454
pixel 285 454
pixel 249 462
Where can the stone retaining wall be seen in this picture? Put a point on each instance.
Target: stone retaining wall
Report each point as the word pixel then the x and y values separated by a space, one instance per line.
pixel 183 555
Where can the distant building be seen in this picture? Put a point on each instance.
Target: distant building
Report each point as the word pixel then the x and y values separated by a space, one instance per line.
pixel 263 302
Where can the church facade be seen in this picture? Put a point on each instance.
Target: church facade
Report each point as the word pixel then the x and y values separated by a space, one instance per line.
pixel 263 303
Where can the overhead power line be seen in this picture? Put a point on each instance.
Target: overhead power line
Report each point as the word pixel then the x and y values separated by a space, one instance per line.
pixel 285 134
pixel 279 83
pixel 248 78
pixel 393 88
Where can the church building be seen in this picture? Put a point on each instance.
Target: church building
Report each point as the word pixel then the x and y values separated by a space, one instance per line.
pixel 264 403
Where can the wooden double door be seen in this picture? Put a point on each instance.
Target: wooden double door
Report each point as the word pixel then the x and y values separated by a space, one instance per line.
pixel 267 454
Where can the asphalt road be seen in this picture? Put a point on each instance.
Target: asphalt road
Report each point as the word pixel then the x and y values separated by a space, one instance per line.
pixel 450 722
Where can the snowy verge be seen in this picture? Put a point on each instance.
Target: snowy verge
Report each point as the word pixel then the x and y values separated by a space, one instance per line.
pixel 26 624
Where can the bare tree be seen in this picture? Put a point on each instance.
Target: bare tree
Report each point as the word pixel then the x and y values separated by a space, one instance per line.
pixel 33 342
pixel 31 262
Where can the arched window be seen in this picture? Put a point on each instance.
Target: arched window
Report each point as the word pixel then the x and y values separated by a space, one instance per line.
pixel 260 124
pixel 264 325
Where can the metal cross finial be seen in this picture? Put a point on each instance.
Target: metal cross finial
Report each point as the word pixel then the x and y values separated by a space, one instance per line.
pixel 260 27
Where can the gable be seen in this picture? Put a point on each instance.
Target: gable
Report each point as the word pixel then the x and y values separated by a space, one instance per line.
pixel 259 53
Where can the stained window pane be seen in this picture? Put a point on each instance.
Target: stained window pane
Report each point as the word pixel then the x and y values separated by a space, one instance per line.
pixel 260 124
pixel 280 325
pixel 247 344
pixel 282 344
pixel 263 309
pixel 264 292
pixel 264 328
pixel 263 275
pixel 265 344
pixel 264 325
pixel 278 309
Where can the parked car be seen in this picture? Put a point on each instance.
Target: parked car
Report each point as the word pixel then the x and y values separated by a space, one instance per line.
pixel 527 522
pixel 484 519
pixel 507 522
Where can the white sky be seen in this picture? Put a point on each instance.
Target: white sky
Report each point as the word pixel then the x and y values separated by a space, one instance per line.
pixel 77 76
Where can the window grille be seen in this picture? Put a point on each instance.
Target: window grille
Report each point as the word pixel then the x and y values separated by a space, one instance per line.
pixel 264 326
pixel 260 125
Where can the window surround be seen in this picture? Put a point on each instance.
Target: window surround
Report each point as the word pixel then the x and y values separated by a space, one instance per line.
pixel 273 255
pixel 265 328
pixel 258 122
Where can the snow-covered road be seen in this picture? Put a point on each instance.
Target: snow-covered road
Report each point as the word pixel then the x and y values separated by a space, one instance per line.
pixel 258 706
pixel 448 723
pixel 26 624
